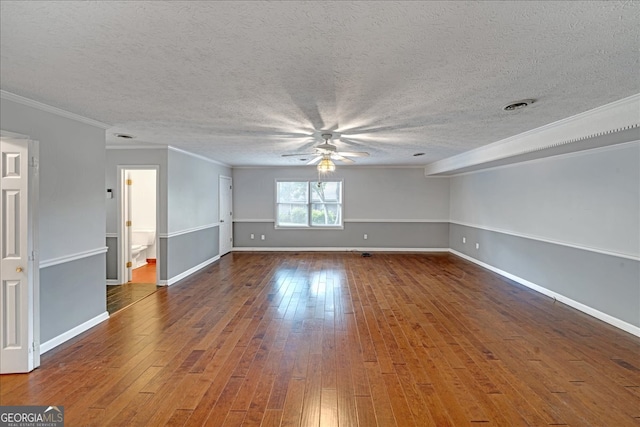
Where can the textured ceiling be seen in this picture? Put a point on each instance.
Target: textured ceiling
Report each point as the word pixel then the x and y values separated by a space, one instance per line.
pixel 244 82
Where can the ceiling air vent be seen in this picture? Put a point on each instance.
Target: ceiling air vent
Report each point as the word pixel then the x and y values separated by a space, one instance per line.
pixel 518 105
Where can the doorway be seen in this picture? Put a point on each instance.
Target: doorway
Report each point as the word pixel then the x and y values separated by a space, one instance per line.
pixel 226 214
pixel 138 270
pixel 19 260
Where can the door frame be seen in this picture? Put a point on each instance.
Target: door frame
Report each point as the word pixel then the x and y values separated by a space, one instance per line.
pixel 221 179
pixel 122 170
pixel 32 304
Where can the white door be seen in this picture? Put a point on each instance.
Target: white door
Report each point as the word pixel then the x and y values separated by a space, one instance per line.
pixel 19 307
pixel 226 215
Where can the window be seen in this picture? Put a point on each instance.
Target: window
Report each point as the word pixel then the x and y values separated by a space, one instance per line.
pixel 309 204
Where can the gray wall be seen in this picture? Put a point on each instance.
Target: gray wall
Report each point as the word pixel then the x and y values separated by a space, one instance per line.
pixel 112 258
pixel 188 250
pixel 192 191
pixel 395 207
pixel 135 157
pixel 188 200
pixel 607 283
pixel 192 203
pixel 70 294
pixel 369 193
pixel 568 223
pixel 589 199
pixel 71 213
pixel 416 235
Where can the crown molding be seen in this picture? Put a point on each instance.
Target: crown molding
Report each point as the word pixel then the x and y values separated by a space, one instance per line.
pixel 610 124
pixel 49 109
pixel 136 147
pixel 197 156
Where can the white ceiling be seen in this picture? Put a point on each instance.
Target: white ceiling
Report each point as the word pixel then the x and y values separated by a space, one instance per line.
pixel 244 82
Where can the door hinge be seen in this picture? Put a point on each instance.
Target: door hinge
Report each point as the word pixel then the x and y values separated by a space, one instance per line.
pixel 127 224
pixel 32 256
pixel 129 264
pixel 129 182
pixel 33 162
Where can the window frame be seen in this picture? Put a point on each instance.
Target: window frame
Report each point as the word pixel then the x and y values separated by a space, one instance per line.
pixel 309 204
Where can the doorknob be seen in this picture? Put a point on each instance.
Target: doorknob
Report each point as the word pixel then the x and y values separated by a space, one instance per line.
pixel 19 270
pixel 222 220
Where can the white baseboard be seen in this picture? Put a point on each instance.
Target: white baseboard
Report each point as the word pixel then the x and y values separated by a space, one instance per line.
pixel 54 342
pixel 189 272
pixel 627 327
pixel 335 249
pixel 113 282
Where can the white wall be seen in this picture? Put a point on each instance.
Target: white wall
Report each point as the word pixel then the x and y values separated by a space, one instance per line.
pixel 375 194
pixel 143 195
pixel 590 199
pixel 143 198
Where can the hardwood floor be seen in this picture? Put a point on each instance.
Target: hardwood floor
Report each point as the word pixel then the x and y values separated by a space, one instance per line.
pixel 143 284
pixel 144 274
pixel 121 296
pixel 321 339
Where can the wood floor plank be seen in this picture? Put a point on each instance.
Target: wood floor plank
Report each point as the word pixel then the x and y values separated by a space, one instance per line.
pixel 295 338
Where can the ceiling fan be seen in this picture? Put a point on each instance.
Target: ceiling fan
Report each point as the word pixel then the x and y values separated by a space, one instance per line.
pixel 326 152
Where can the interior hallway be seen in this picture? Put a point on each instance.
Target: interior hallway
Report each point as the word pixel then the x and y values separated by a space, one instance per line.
pixel 143 284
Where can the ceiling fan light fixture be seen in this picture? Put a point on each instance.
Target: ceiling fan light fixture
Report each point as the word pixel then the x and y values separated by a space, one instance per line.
pixel 326 165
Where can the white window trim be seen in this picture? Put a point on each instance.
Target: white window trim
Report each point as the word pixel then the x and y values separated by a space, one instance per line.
pixel 308 204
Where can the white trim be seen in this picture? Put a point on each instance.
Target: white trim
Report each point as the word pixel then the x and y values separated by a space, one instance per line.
pixel 71 333
pixel 73 257
pixel 12 135
pixel 608 119
pixel 350 220
pixel 335 249
pixel 188 272
pixel 198 156
pixel 186 231
pixel 627 327
pixel 397 220
pixel 138 147
pixel 111 235
pixel 546 159
pixel 342 166
pixel 555 242
pixel 50 109
pixel 113 282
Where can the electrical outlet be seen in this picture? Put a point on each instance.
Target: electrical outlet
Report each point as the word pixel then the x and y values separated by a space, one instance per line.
pixel 365 237
pixel 477 245
pixel 464 240
pixel 252 236
pixel 262 237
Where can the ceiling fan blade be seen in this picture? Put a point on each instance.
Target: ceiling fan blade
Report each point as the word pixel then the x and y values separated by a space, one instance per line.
pixel 314 160
pixel 353 153
pixel 342 159
pixel 298 154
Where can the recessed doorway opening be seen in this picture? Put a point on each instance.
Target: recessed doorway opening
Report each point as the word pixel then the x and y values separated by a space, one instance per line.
pixel 138 267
